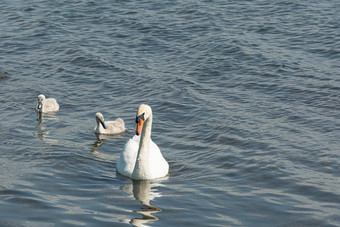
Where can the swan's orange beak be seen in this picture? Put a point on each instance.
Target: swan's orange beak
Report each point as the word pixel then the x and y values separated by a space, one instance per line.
pixel 139 127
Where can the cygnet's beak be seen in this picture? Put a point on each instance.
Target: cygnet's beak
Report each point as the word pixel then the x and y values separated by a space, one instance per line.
pixel 103 124
pixel 140 122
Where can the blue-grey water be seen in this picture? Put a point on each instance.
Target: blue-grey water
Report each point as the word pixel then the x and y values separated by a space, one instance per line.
pixel 245 98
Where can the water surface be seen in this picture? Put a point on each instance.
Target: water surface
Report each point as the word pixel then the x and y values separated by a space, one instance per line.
pixel 245 98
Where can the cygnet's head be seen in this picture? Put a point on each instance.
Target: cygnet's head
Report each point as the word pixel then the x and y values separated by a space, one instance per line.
pixel 100 119
pixel 41 97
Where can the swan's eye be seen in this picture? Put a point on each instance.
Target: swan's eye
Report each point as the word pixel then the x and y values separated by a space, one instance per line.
pixel 140 117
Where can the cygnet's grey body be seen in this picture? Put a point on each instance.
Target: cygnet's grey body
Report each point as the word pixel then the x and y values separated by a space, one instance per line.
pixel 46 105
pixel 108 127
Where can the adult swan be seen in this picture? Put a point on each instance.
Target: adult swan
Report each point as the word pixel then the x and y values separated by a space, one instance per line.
pixel 141 158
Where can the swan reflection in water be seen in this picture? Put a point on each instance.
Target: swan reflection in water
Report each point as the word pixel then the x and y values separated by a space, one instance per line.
pixel 144 191
pixel 42 133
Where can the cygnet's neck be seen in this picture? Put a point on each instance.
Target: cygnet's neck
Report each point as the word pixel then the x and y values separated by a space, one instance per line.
pixel 41 105
pixel 99 125
pixel 142 167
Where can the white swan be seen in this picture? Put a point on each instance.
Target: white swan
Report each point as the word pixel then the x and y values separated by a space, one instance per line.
pixel 46 105
pixel 108 127
pixel 141 158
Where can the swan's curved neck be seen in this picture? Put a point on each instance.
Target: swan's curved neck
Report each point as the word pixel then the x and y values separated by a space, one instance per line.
pixel 142 167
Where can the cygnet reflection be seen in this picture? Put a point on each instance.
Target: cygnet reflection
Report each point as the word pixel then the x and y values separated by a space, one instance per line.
pixel 95 150
pixel 107 137
pixel 41 132
pixel 101 138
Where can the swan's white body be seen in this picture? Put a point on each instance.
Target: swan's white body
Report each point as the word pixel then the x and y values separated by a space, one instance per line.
pixel 141 158
pixel 127 161
pixel 46 105
pixel 111 127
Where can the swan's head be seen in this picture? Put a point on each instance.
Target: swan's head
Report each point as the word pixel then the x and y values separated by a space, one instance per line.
pixel 41 98
pixel 100 119
pixel 143 113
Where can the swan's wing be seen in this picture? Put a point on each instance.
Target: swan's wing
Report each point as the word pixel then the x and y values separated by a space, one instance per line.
pixel 159 166
pixel 127 159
